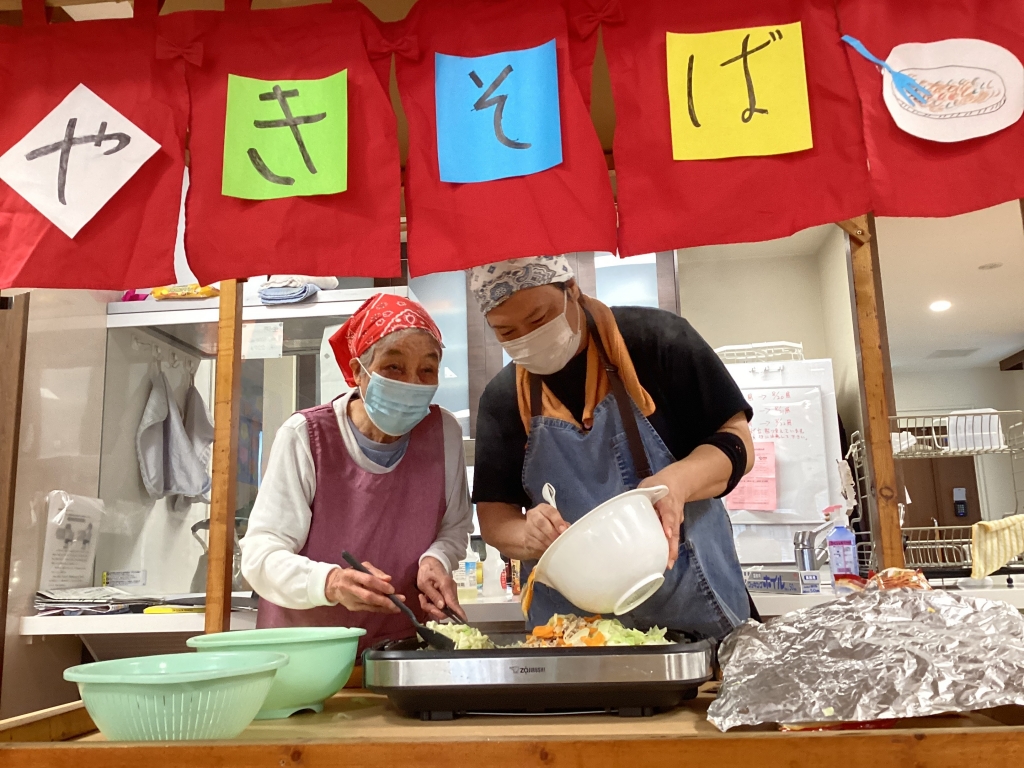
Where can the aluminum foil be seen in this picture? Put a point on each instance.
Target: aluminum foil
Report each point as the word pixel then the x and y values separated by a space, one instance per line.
pixel 873 655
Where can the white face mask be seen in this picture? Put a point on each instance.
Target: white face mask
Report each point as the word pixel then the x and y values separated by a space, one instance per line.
pixel 549 348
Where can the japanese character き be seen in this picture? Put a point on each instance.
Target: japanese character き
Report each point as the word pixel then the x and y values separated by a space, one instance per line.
pixel 289 121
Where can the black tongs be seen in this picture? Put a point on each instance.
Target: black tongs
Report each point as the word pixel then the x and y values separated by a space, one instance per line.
pixel 433 638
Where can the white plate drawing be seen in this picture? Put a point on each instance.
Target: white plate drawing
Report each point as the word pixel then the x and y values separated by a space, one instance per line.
pixel 977 89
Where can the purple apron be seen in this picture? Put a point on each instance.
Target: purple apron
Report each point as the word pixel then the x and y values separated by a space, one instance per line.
pixel 388 519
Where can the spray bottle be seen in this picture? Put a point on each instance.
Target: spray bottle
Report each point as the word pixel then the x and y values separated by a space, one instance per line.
pixel 842 544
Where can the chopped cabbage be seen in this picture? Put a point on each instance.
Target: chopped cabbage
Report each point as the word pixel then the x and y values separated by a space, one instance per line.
pixel 616 634
pixel 466 638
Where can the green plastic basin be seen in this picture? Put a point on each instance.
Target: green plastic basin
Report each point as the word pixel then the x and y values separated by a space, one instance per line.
pixel 180 696
pixel 320 663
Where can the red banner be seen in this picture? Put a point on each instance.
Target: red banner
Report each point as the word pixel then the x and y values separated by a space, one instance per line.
pixel 315 230
pixel 666 203
pixel 542 185
pixel 913 176
pixel 129 241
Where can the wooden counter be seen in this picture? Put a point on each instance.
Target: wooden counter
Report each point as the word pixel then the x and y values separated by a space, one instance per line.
pixel 359 730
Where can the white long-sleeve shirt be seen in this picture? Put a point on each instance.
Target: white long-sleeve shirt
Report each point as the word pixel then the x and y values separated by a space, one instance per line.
pixel 280 518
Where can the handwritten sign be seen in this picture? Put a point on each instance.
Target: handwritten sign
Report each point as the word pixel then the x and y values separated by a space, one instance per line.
pixel 497 115
pixel 76 159
pixel 757 491
pixel 285 138
pixel 738 93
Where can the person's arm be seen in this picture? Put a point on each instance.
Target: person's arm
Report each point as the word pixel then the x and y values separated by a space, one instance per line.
pixel 517 535
pixel 279 524
pixel 436 564
pixel 277 530
pixel 498 477
pixel 704 474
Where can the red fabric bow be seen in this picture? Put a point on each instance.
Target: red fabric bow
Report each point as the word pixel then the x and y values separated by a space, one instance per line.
pixel 191 52
pixel 407 46
pixel 380 316
pixel 587 22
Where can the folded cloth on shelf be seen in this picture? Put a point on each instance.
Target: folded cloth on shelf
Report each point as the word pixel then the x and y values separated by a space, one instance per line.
pixel 994 543
pixel 287 295
pixel 298 281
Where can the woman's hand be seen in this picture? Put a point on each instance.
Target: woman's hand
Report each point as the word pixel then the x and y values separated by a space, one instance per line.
pixel 670 508
pixel 543 526
pixel 437 589
pixel 361 591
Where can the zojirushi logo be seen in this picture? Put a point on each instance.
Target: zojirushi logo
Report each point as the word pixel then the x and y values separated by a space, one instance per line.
pixel 527 670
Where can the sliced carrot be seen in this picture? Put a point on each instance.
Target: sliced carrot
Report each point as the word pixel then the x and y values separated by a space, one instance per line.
pixel 543 631
pixel 595 639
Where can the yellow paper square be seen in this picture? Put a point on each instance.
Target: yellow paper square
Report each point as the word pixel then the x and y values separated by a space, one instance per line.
pixel 723 104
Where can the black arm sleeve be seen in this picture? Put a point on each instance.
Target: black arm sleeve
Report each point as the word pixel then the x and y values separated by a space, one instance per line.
pixel 500 444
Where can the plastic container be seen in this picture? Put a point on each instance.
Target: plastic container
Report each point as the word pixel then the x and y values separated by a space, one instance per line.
pixel 842 547
pixel 321 662
pixel 466 581
pixel 613 558
pixel 494 574
pixel 176 697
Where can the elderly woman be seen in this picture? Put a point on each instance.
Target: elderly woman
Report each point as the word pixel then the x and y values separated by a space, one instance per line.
pixel 378 472
pixel 598 401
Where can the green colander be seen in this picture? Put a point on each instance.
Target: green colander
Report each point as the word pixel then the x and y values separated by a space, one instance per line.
pixel 320 662
pixel 179 696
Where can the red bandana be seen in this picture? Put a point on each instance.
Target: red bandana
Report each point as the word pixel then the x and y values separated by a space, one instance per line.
pixel 380 316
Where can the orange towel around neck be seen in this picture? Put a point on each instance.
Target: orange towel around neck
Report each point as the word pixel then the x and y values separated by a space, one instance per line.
pixel 598 385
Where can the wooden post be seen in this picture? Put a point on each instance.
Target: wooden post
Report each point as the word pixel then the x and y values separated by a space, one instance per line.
pixel 878 396
pixel 220 559
pixel 13 340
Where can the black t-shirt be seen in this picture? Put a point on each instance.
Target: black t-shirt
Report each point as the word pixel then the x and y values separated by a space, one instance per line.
pixel 693 394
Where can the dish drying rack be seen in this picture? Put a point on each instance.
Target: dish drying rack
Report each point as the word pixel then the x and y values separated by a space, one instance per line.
pixel 761 353
pixel 942 551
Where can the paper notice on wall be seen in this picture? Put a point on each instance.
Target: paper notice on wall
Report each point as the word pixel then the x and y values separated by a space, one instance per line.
pixel 792 419
pixel 72 526
pixel 757 490
pixel 262 340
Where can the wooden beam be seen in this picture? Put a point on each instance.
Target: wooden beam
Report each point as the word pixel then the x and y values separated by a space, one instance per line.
pixel 878 398
pixel 1014 362
pixel 225 458
pixel 13 342
pixel 67 721
pixel 1001 747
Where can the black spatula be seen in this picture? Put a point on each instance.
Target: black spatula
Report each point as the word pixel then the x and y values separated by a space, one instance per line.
pixel 433 639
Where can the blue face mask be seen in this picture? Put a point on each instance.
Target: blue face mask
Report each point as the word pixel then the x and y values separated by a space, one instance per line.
pixel 395 407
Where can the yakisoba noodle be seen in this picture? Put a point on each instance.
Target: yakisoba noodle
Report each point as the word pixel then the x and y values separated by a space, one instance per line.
pixel 956 92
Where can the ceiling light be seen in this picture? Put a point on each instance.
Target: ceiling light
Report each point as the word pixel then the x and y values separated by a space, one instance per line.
pixel 939 306
pixel 991 265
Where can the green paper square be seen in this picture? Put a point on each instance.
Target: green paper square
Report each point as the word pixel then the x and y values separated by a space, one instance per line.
pixel 286 171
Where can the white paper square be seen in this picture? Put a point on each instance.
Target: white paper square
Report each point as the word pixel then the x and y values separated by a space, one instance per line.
pixel 262 340
pixel 92 177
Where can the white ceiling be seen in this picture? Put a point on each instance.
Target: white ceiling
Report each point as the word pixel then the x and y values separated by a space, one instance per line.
pixel 925 260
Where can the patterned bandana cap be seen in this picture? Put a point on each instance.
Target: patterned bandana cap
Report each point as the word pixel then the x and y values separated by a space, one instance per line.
pixel 381 315
pixel 493 284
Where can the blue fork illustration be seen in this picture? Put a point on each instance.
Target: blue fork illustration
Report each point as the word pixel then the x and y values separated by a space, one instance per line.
pixel 905 85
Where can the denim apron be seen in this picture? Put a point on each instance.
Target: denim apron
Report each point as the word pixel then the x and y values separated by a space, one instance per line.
pixel 704 594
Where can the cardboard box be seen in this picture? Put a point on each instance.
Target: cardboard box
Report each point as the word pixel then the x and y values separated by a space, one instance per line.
pixel 780 581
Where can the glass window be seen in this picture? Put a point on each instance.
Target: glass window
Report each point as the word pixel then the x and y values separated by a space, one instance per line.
pixel 444 297
pixel 631 282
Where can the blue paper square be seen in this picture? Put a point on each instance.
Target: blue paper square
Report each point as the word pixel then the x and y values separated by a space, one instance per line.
pixel 497 115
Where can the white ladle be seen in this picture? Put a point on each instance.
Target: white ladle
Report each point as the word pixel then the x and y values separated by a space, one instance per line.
pixel 548 492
